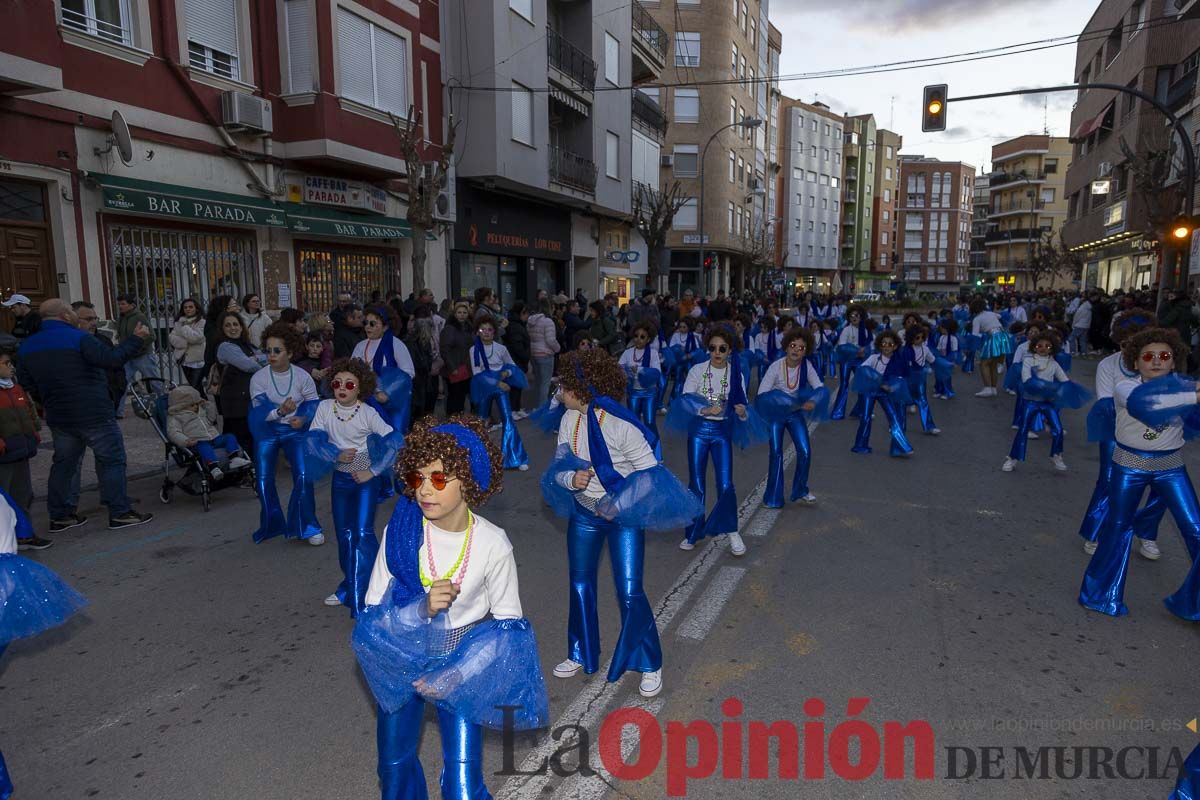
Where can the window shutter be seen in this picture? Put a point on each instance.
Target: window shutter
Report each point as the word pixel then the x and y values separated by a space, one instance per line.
pixel 212 23
pixel 522 114
pixel 355 63
pixel 300 40
pixel 391 72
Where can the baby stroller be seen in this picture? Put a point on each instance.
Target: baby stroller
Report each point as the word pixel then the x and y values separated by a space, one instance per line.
pixel 152 405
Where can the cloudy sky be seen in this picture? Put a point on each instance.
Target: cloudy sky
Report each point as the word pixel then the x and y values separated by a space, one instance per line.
pixel 863 32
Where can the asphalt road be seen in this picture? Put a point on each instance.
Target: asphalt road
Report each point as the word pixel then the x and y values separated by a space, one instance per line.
pixel 938 587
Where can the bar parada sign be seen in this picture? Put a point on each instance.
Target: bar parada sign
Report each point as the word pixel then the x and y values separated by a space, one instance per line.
pixel 165 200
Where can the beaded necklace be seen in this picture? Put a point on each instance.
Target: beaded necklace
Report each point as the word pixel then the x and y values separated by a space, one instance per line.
pixel 708 390
pixel 787 375
pixel 337 405
pixel 575 434
pixel 275 386
pixel 464 556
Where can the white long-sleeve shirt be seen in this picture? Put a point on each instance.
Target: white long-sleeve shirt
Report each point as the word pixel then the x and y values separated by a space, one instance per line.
pixel 947 348
pixel 489 585
pixel 1018 314
pixel 1109 372
pixel 632 357
pixel 348 434
pixel 986 322
pixel 279 386
pixel 696 384
pixel 923 356
pixel 849 335
pixel 366 349
pixel 681 340
pixel 877 362
pixel 775 378
pixel 1138 435
pixel 496 355
pixel 627 447
pixel 1021 351
pixel 1045 368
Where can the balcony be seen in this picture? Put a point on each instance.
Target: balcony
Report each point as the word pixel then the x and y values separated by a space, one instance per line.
pixel 572 170
pixel 1181 90
pixel 1006 209
pixel 1013 236
pixel 570 67
pixel 1000 179
pixel 650 45
pixel 648 112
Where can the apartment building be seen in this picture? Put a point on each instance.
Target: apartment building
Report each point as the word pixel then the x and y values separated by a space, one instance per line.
pixel 1125 42
pixel 174 149
pixel 935 217
pixel 717 143
pixel 810 193
pixel 858 197
pixel 1027 208
pixel 981 208
pixel 885 207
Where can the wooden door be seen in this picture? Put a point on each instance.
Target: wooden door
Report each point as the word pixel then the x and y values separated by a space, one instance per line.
pixel 26 258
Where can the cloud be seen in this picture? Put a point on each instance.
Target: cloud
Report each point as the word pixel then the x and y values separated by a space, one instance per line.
pixel 1057 101
pixel 959 132
pixel 885 16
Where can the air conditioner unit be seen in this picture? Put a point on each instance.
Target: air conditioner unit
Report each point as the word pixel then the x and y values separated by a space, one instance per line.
pixel 667 160
pixel 445 205
pixel 1105 169
pixel 246 113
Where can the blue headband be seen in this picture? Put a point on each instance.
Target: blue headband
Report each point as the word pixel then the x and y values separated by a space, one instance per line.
pixel 477 455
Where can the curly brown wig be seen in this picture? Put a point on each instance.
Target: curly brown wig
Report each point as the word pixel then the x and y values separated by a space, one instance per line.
pixel 888 333
pixel 916 329
pixel 1132 347
pixel 1045 336
pixel 863 314
pixel 423 446
pixel 725 333
pixel 976 306
pixel 293 342
pixel 1127 323
pixel 803 334
pixel 585 373
pixel 361 372
pixel 648 327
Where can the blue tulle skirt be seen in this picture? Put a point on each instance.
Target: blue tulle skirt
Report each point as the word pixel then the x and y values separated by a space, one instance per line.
pixel 548 415
pixel 778 405
pixel 848 354
pixel 870 381
pixel 995 345
pixel 496 664
pixel 743 432
pixel 1060 394
pixel 32 599
pixel 485 384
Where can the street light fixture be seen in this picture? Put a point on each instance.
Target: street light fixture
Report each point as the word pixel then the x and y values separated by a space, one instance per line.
pixel 749 123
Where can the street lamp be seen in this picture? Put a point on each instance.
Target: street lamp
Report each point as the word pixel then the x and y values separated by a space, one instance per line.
pixel 746 122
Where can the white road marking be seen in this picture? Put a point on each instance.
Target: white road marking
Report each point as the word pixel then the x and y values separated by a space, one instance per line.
pixel 595 787
pixel 705 612
pixel 596 695
pixel 762 522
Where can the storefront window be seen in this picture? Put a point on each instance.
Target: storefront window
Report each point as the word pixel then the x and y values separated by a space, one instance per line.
pixel 545 276
pixel 324 274
pixel 508 281
pixel 475 271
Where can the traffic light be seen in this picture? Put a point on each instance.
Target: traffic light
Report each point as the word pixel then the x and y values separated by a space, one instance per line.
pixel 933 111
pixel 710 260
pixel 1180 230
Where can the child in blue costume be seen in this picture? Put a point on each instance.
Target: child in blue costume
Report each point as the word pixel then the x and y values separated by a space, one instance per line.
pixel 791 397
pixel 444 622
pixel 1045 388
pixel 644 370
pixel 883 379
pixel 685 342
pixel 32 598
pixel 946 347
pixel 853 345
pixel 494 373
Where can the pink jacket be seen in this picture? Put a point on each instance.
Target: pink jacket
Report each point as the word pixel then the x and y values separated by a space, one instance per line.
pixel 543 336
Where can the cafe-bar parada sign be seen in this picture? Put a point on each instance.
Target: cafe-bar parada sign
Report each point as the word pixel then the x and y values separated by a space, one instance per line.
pixel 339 193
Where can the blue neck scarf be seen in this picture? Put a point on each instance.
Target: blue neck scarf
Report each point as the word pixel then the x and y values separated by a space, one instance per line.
pixel 737 392
pixel 772 345
pixel 747 340
pixel 479 354
pixel 601 459
pixel 385 353
pixel 864 336
pixel 897 366
pixel 689 344
pixel 817 310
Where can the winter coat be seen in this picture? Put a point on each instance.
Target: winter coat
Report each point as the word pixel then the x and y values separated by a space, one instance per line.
pixel 19 425
pixel 184 423
pixel 516 339
pixel 256 324
pixel 604 331
pixel 187 340
pixel 127 323
pixel 543 336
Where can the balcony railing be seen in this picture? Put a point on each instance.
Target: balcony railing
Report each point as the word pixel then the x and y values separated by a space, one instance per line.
pixel 648 30
pixel 1014 235
pixel 570 169
pixel 1016 208
pixel 570 60
pixel 96 26
pixel 648 111
pixel 1001 178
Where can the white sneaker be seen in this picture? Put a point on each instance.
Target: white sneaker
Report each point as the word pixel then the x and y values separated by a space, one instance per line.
pixel 1089 547
pixel 662 411
pixel 237 462
pixel 216 472
pixel 1059 464
pixel 934 431
pixel 567 669
pixel 1010 391
pixel 686 545
pixel 1008 465
pixel 316 541
pixel 519 415
pixel 651 683
pixel 1032 435
pixel 524 468
pixel 1016 427
pixel 332 600
pixel 495 428
pixel 809 499
pixel 736 545
pixel 984 392
pixel 1149 549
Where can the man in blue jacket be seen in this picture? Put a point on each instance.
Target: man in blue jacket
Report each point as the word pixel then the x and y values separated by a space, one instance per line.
pixel 63 368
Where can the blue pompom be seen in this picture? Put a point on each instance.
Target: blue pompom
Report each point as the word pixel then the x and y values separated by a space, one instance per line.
pixel 1069 394
pixel 1102 421
pixel 1163 401
pixel 943 369
pixel 777 405
pixel 847 354
pixel 320 455
pixel 1038 390
pixel 751 430
pixel 866 380
pixel 683 410
pixel 1064 360
pixel 548 415
pixel 653 499
pixel 557 496
pixel 1012 378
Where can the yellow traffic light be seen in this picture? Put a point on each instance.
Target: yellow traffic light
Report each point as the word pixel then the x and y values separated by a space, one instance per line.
pixel 1181 229
pixel 935 107
pixel 1181 232
pixel 934 116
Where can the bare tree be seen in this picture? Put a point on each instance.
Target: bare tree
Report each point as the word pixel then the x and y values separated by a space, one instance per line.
pixel 654 213
pixel 1051 259
pixel 756 246
pixel 1150 170
pixel 426 179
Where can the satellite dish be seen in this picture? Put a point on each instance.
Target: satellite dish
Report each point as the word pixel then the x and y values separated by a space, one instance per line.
pixel 120 140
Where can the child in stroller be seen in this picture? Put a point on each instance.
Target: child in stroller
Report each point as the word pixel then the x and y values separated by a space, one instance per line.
pixel 192 424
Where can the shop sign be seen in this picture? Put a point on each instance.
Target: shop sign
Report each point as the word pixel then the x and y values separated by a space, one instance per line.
pixel 505 226
pixel 184 203
pixel 352 195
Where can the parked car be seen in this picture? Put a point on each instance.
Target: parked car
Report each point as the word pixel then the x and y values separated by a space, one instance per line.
pixel 866 297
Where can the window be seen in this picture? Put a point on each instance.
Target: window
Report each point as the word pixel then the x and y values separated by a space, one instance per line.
pixel 1137 17
pixel 837 205
pixel 522 114
pixel 743 73
pixel 825 204
pixel 837 159
pixel 745 17
pixel 732 165
pixel 373 64
pixel 1051 166
pixel 733 61
pixel 612 155
pixel 833 230
pixel 814 151
pixel 887 173
pixel 824 227
pixel 824 153
pixel 108 19
pixel 813 123
pixel 812 201
pixel 1129 101
pixel 797 174
pixel 887 215
pixel 300 36
pixel 887 195
pixel 741 171
pixel 1047 195
pixel 733 117
pixel 212 36
pixel 1112 47
pixel 751 79
pixel 651 92
pixel 732 210
pixel 810 225
pixel 687 49
pixel 835 182
pixel 685 218
pixel 824 250
pixel 883 259
pixel 826 128
pixel 824 180
pixel 646 157
pixel 812 177
pixel 753 33
pixel 883 238
pixel 810 251
pixel 687 160
pixel 522 7
pixel 888 150
pixel 612 59
pixel 687 105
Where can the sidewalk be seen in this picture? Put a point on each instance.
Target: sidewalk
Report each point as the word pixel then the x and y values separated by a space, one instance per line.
pixel 143 456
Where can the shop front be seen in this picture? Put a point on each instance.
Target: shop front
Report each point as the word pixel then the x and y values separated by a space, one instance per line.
pixel 512 246
pixel 622 261
pixel 1129 264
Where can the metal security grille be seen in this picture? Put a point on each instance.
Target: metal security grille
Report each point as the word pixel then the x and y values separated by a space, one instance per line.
pixel 161 267
pixel 324 274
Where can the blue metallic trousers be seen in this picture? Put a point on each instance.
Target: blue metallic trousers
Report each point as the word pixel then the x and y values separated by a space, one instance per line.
pixel 354 520
pixel 638 647
pixel 398 736
pixel 896 426
pixel 301 520
pixel 1188 785
pixel 1145 522
pixel 511 446
pixel 712 437
pixel 845 376
pixel 645 406
pixel 1103 586
pixel 943 387
pixel 1049 413
pixel 920 394
pixel 796 426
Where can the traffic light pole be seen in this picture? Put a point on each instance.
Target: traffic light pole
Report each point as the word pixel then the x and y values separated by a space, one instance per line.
pixel 1189 153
